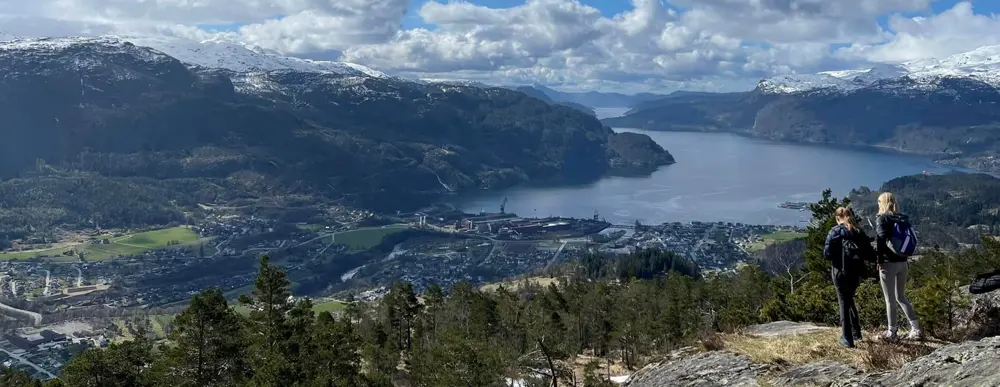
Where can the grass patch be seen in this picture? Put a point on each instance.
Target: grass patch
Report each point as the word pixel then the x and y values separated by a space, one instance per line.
pixel 118 247
pixel 159 238
pixel 871 355
pixel 330 306
pixel 775 237
pixel 518 283
pixel 366 238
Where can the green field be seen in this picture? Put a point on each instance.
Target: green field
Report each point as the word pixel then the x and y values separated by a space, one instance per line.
pixel 775 237
pixel 121 246
pixel 366 238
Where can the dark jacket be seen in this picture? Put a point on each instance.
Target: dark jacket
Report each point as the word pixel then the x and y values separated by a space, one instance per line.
pixel 832 250
pixel 883 233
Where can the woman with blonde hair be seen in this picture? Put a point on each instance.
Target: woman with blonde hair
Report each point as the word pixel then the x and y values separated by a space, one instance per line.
pixel 895 242
pixel 847 247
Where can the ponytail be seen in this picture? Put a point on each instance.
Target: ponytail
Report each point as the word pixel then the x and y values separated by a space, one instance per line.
pixel 847 215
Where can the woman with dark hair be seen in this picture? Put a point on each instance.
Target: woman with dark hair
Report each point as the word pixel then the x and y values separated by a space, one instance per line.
pixel 847 247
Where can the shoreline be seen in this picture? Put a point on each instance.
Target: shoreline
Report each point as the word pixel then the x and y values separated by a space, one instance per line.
pixel 934 157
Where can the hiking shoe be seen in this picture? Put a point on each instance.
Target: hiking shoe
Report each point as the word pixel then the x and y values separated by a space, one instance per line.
pixel 846 343
pixel 889 336
pixel 915 334
pixel 857 336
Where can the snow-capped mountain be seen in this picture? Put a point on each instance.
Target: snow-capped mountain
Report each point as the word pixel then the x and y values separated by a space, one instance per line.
pixel 240 57
pixel 981 64
pixel 215 53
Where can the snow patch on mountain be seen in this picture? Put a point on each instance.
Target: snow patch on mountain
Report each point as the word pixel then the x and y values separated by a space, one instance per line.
pixel 982 64
pixel 786 84
pixel 240 57
pixel 7 37
pixel 55 47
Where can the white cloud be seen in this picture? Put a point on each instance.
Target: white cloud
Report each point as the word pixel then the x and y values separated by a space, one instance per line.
pixel 656 46
pixel 956 30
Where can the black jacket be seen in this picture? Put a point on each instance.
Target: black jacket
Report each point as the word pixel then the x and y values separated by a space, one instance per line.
pixel 883 232
pixel 832 250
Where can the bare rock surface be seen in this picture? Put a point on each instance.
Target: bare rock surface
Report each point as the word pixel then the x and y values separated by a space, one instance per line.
pixel 707 369
pixel 783 328
pixel 820 374
pixel 972 363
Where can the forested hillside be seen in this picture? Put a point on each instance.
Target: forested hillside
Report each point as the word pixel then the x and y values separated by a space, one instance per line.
pixel 948 209
pixel 101 128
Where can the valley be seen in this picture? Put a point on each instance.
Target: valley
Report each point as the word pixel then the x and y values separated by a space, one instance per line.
pixel 139 172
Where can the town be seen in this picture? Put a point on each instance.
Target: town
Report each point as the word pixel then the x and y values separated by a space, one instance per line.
pixel 114 284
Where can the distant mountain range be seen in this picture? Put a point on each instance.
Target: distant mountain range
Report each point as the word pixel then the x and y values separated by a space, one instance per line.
pixel 226 121
pixel 948 108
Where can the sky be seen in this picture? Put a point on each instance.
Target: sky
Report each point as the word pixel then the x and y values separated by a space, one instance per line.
pixel 571 45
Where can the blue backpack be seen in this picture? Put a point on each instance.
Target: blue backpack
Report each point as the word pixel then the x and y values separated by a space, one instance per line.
pixel 903 241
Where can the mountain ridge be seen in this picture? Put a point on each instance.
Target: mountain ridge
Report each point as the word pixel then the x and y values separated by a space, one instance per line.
pixel 106 106
pixel 945 113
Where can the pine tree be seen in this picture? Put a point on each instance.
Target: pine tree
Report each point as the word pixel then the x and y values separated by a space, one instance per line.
pixel 208 343
pixel 268 326
pixel 334 359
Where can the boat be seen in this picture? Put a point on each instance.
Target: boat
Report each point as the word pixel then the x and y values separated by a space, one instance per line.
pixel 801 206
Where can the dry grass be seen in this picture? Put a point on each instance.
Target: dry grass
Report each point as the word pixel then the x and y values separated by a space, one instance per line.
pixel 871 355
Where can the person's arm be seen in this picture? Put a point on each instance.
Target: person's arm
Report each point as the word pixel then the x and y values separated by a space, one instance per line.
pixel 866 247
pixel 827 251
pixel 882 234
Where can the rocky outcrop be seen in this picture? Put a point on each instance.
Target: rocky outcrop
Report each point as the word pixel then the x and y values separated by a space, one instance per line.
pixel 702 370
pixel 981 318
pixel 820 374
pixel 972 363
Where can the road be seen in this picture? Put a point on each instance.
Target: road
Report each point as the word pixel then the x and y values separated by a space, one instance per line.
pixel 28 362
pixel 36 317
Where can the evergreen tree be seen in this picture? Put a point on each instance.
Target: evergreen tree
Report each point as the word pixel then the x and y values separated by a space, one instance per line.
pixel 269 350
pixel 128 364
pixel 208 344
pixel 10 377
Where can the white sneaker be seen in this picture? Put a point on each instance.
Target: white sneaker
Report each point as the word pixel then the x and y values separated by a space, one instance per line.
pixel 915 334
pixel 889 336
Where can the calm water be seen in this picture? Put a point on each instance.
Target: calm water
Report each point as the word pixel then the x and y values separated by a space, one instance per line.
pixel 717 177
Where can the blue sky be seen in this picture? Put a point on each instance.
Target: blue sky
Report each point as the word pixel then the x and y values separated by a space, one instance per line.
pixel 980 6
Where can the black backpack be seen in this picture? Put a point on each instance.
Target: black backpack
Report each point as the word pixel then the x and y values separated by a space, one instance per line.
pixel 850 254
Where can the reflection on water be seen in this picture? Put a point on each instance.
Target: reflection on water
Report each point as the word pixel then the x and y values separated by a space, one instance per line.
pixel 718 177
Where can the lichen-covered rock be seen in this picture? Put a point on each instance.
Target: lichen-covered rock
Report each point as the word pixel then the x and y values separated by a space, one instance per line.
pixel 982 316
pixel 783 328
pixel 702 370
pixel 820 374
pixel 972 363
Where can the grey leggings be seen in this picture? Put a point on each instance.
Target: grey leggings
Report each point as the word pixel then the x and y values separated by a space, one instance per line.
pixel 893 279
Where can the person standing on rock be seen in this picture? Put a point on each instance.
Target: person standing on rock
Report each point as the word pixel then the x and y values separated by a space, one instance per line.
pixel 895 241
pixel 847 247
